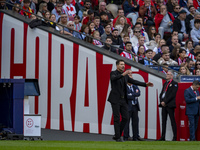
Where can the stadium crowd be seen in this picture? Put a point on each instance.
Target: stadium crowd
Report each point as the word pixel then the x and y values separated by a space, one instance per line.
pixel 166 32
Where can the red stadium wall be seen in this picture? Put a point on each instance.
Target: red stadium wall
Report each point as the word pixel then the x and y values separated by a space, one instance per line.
pixel 74 82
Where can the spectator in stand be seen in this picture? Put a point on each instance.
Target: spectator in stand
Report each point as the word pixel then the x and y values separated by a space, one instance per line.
pixel 102 8
pixel 197 72
pixel 192 11
pixel 158 5
pixel 89 18
pixel 120 12
pixel 143 33
pixel 84 31
pixel 70 30
pixel 196 16
pixel 111 24
pixel 121 21
pixel 87 5
pixel 12 2
pixel 155 43
pixel 106 33
pixel 174 43
pixel 171 4
pixel 3 5
pixel 164 21
pixel 195 33
pixel 98 27
pixel 126 38
pixel 140 20
pixel 96 35
pixel 152 33
pixel 175 52
pixel 196 66
pixel 32 5
pixel 53 2
pixel 131 10
pixel 127 30
pixel 181 25
pixel 27 8
pixel 47 15
pixel 136 35
pixel 107 45
pixel 176 9
pixel 58 10
pixel 157 49
pixel 77 23
pixel 53 21
pixel 147 12
pixel 165 68
pixel 79 5
pixel 42 9
pixel 103 18
pixel 69 9
pixel 186 8
pixel 195 50
pixel 166 59
pixel 16 9
pixel 128 52
pixel 189 47
pixel 116 38
pixel 140 42
pixel 197 56
pixel 183 71
pixel 91 27
pixel 63 21
pixel 182 57
pixel 140 53
pixel 158 56
pixel 174 33
pixel 189 64
pixel 148 55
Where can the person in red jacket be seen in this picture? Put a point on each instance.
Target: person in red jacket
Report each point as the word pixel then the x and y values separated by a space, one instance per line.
pixel 164 21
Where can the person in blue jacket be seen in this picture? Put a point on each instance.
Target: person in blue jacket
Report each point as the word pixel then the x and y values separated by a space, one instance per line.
pixel 192 107
pixel 133 92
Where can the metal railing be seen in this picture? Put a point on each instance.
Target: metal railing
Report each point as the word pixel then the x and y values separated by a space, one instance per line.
pixel 88 37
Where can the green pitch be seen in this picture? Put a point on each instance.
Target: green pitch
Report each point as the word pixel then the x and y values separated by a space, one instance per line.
pixel 92 145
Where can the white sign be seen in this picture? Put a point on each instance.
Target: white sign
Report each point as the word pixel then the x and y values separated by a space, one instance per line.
pixel 32 125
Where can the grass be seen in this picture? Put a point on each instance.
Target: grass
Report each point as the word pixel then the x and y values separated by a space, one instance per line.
pixel 92 145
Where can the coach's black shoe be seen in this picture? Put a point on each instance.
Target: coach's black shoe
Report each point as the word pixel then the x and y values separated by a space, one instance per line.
pixel 161 139
pixel 140 139
pixel 119 140
pixel 135 139
pixel 114 138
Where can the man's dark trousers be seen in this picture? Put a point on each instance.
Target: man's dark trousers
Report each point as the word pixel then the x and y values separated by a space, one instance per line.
pixel 118 108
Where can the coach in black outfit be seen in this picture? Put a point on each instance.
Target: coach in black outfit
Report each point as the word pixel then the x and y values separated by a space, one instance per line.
pixel 168 104
pixel 117 97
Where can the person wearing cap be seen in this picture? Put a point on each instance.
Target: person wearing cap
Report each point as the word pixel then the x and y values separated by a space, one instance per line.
pixel 182 26
pixel 192 98
pixel 168 104
pixel 90 17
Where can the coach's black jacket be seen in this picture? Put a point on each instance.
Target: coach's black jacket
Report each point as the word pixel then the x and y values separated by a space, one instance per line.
pixel 118 86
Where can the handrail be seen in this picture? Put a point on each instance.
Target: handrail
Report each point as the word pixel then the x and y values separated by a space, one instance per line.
pixel 88 36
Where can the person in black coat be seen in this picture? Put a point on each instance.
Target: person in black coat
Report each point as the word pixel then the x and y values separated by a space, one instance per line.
pixel 177 26
pixel 133 92
pixel 118 97
pixel 168 104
